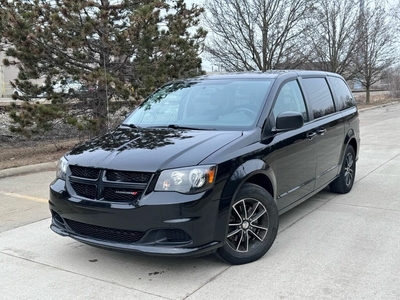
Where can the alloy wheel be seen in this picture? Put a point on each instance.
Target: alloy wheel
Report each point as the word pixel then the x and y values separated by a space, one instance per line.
pixel 349 169
pixel 248 225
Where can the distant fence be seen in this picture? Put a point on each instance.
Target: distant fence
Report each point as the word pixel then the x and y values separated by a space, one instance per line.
pixel 360 96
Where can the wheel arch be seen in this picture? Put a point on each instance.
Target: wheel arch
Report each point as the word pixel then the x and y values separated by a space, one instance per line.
pixel 350 139
pixel 352 142
pixel 263 181
pixel 255 171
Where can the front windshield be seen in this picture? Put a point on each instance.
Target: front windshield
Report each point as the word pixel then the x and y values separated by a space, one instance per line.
pixel 224 104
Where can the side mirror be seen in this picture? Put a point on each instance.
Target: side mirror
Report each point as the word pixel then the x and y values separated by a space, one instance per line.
pixel 288 120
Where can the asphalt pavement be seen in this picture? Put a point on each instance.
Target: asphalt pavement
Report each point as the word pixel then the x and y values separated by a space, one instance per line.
pixel 329 247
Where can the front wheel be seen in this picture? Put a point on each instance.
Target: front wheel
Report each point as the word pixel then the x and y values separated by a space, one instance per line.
pixel 253 225
pixel 344 183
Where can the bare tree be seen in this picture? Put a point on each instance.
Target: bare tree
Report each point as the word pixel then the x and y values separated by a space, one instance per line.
pixel 332 36
pixel 394 13
pixel 255 34
pixel 394 81
pixel 377 45
pixel 394 75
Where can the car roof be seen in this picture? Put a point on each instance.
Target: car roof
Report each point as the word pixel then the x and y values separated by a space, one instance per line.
pixel 270 74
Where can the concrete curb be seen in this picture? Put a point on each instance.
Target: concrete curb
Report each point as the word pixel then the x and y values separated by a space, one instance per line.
pixel 378 106
pixel 49 166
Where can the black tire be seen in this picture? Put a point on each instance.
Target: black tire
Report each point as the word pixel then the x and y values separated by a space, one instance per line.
pixel 344 183
pixel 253 225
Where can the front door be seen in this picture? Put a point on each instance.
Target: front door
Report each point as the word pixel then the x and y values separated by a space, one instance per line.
pixel 295 151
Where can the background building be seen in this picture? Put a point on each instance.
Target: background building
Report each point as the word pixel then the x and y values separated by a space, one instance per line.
pixel 7 74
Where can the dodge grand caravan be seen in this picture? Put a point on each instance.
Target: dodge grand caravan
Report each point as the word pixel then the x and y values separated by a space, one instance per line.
pixel 208 164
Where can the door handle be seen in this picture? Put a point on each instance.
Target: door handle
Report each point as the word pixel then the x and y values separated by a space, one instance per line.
pixel 311 135
pixel 321 131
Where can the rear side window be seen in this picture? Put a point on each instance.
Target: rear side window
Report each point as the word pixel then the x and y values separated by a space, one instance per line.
pixel 342 92
pixel 320 96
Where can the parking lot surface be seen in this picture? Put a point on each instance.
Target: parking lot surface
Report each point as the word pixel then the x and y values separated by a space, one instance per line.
pixel 330 247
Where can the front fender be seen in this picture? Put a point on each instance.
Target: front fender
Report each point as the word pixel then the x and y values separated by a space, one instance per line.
pixel 248 171
pixel 242 174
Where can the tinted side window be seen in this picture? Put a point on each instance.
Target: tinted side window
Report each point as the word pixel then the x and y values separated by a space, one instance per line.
pixel 343 95
pixel 320 96
pixel 290 98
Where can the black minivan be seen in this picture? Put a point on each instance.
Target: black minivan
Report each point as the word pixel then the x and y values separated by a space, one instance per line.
pixel 208 164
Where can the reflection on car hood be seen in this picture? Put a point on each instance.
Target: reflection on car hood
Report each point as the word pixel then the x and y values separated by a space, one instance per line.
pixel 149 150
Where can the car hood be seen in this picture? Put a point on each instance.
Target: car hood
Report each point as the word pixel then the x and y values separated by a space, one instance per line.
pixel 150 150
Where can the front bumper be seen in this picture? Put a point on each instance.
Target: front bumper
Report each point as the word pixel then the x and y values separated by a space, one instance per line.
pixel 161 223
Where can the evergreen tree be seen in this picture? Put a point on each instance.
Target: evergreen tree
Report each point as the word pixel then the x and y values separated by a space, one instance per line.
pixel 114 49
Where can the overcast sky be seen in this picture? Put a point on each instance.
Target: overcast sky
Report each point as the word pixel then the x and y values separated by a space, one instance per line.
pixel 206 65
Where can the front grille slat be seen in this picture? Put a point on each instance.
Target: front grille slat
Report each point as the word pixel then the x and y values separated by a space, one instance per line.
pixel 105 233
pixel 84 190
pixel 125 176
pixel 108 185
pixel 85 172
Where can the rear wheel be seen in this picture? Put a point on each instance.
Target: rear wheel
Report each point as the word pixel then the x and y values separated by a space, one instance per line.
pixel 253 225
pixel 344 183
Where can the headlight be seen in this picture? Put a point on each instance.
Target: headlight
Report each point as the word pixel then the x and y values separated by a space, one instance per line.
pixel 62 168
pixel 189 180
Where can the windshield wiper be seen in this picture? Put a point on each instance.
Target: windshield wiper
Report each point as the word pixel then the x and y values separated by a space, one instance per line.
pixel 175 126
pixel 129 125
